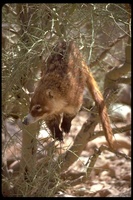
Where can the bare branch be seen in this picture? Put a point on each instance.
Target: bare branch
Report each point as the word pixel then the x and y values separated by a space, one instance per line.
pixel 29 148
pixel 93 39
pixel 80 141
pixel 10 29
pixel 114 75
pixel 10 9
pixel 107 49
pixel 85 135
pixel 124 80
pixel 91 162
pixel 117 72
pixel 115 131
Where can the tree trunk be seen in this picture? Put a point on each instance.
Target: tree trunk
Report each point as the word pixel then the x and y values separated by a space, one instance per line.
pixel 29 148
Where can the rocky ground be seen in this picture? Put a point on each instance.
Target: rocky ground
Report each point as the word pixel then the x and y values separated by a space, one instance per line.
pixel 111 175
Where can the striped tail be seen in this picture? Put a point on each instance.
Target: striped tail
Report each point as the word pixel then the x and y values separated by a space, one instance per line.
pixel 102 109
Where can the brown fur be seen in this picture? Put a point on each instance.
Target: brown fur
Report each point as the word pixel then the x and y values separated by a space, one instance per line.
pixel 60 91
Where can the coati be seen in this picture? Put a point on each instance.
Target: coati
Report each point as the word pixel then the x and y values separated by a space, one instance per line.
pixel 60 92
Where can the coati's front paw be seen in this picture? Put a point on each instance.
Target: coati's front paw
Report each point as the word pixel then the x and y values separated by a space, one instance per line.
pixel 58 135
pixel 65 126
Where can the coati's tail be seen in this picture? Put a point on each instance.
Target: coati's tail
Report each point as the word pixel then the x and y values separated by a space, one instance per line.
pixel 98 98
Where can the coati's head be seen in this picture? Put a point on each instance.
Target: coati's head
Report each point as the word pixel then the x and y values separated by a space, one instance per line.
pixel 40 106
pixel 43 104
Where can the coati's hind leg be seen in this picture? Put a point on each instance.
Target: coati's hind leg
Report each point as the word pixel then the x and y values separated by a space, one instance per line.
pixel 66 122
pixel 53 125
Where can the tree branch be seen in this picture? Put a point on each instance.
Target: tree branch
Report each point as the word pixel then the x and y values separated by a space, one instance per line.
pixel 107 49
pixel 124 80
pixel 91 162
pixel 115 131
pixel 79 143
pixel 29 148
pixel 86 134
pixel 115 75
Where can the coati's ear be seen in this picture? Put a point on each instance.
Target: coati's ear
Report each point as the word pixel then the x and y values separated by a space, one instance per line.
pixel 50 93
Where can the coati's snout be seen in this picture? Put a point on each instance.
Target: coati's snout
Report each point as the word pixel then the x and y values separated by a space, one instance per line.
pixel 36 112
pixel 29 119
pixel 25 121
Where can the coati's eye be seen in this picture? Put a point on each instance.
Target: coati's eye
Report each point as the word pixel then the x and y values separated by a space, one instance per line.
pixel 38 108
